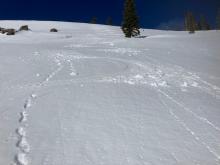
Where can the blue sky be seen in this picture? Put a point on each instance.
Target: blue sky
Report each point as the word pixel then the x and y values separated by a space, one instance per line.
pixel 151 12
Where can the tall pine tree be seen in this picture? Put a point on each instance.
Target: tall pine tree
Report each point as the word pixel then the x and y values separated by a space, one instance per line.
pixel 93 20
pixel 218 20
pixel 190 22
pixel 203 24
pixel 130 24
pixel 109 21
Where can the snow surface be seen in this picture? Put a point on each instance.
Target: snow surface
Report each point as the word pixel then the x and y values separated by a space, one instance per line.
pixel 88 96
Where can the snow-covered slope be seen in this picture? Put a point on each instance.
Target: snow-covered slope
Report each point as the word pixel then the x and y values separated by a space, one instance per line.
pixel 88 96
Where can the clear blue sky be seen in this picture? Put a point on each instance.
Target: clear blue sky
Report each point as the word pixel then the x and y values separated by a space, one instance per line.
pixel 151 12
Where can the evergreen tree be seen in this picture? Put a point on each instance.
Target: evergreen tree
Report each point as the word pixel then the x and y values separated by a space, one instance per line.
pixel 203 24
pixel 109 21
pixel 218 20
pixel 190 22
pixel 93 20
pixel 199 26
pixel 130 24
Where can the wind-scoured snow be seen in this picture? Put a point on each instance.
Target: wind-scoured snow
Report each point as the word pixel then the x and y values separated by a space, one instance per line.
pixel 88 96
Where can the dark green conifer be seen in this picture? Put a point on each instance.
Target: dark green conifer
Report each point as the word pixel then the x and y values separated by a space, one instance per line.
pixel 109 21
pixel 130 24
pixel 218 20
pixel 94 20
pixel 203 24
pixel 190 22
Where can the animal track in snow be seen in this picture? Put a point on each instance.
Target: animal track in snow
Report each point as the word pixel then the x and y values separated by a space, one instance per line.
pixel 50 76
pixel 24 147
pixel 27 103
pixel 24 116
pixel 22 143
pixel 21 159
pixel 21 131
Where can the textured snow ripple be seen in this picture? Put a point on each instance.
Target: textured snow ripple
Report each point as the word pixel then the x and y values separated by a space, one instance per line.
pixel 72 69
pixel 136 80
pixel 78 46
pixel 36 53
pixel 129 51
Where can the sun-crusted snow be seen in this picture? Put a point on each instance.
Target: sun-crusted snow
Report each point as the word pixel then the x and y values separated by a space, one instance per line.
pixel 88 96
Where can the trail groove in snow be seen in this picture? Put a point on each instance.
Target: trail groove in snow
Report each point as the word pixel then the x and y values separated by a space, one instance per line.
pixel 62 137
pixel 203 119
pixel 184 125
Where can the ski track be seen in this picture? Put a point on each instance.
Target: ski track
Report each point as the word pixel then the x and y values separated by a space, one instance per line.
pixel 182 106
pixel 184 125
pixel 22 143
pixel 203 119
pixel 209 88
pixel 61 128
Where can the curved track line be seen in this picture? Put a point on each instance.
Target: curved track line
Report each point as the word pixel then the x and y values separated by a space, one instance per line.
pixel 203 119
pixel 184 125
pixel 195 77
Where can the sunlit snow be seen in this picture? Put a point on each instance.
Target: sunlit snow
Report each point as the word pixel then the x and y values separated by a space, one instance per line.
pixel 88 96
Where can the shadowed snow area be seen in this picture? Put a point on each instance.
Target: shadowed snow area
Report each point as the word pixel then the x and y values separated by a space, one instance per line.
pixel 88 96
